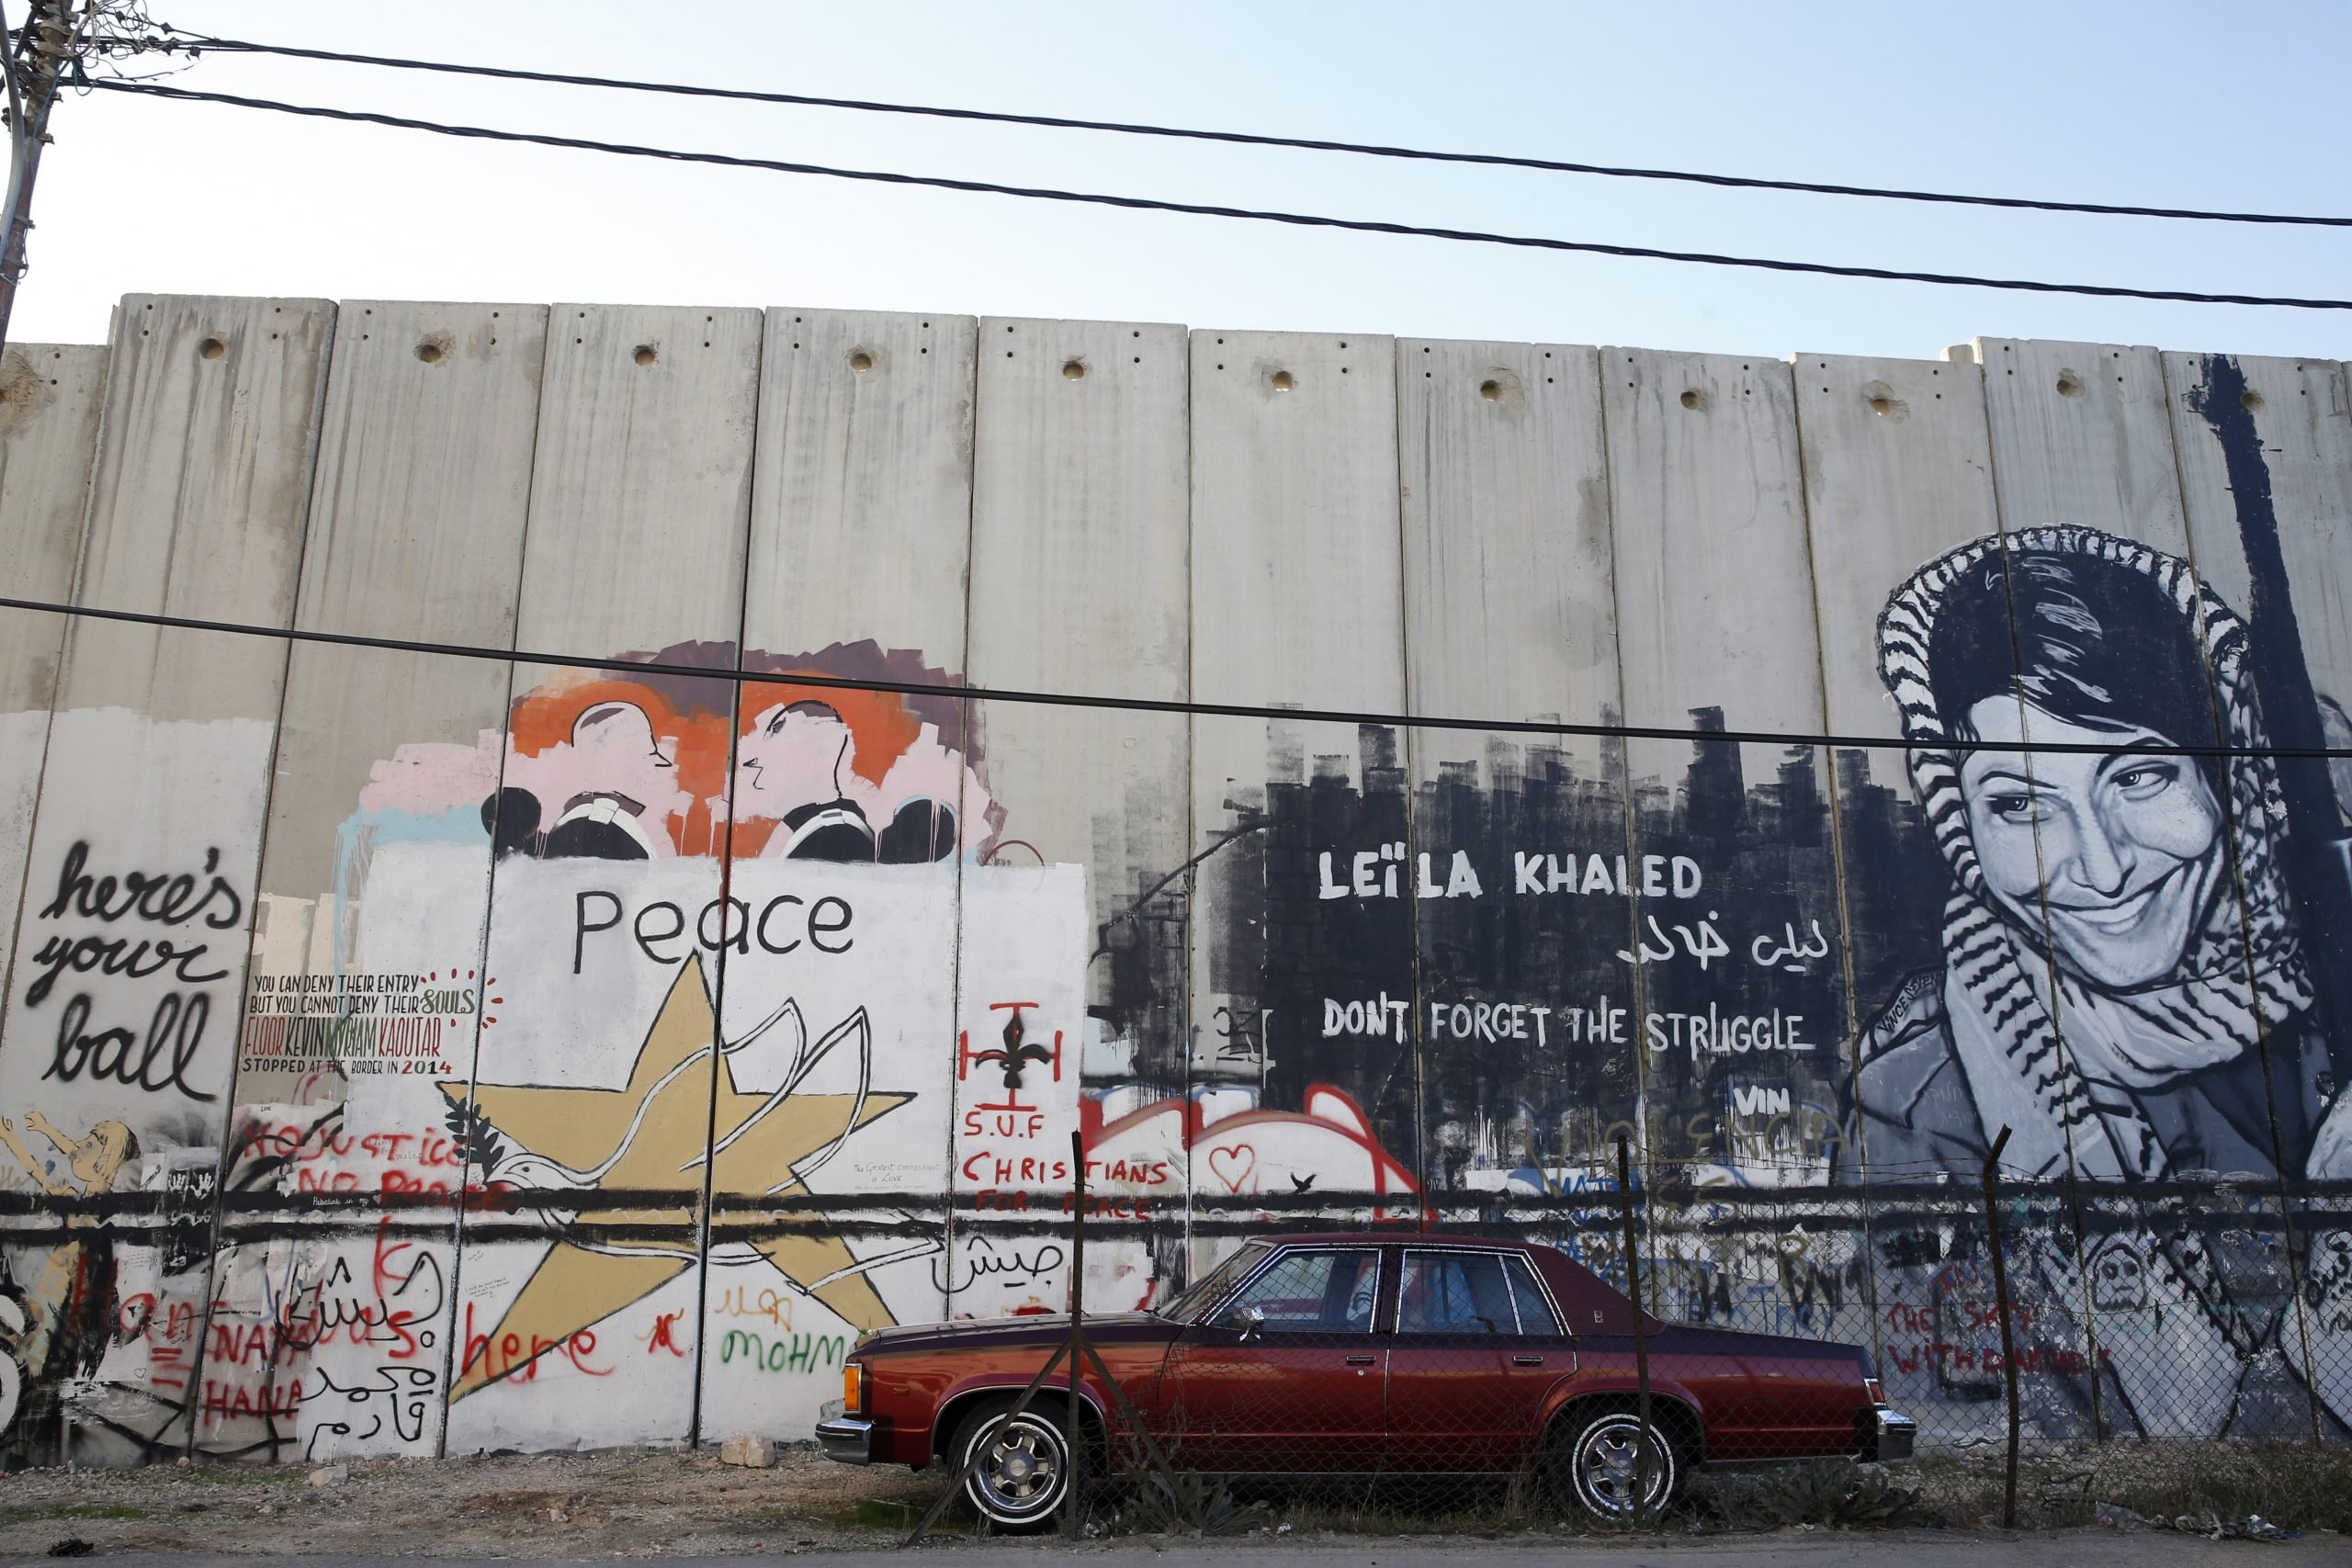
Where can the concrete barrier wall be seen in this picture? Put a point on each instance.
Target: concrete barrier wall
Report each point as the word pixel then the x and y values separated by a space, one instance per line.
pixel 574 1027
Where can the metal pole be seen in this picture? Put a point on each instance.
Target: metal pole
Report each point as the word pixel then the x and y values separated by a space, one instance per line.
pixel 1641 1336
pixel 2001 1306
pixel 45 43
pixel 1074 1429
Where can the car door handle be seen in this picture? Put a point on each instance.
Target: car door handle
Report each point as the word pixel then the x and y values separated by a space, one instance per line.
pixel 1362 1360
pixel 1527 1360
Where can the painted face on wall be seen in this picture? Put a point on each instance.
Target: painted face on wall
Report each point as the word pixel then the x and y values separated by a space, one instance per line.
pixel 793 755
pixel 2128 844
pixel 617 751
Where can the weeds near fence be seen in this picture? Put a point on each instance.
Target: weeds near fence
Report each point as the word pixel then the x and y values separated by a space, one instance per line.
pixel 2294 1485
pixel 2291 1485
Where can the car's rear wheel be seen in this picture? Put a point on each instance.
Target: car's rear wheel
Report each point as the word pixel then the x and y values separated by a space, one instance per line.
pixel 1024 1469
pixel 1598 1465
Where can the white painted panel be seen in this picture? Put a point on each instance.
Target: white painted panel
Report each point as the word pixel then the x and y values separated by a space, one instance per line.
pixel 1079 510
pixel 1897 472
pixel 423 482
pixel 1079 563
pixel 209 522
pixel 639 494
pixel 1713 590
pixel 1734 876
pixel 48 426
pixel 862 519
pixel 1026 937
pixel 1510 613
pixel 613 788
pixel 159 765
pixel 2081 438
pixel 837 1071
pixel 1294 553
pixel 1296 600
pixel 1510 610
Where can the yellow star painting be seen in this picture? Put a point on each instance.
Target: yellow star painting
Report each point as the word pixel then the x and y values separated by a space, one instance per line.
pixel 648 1138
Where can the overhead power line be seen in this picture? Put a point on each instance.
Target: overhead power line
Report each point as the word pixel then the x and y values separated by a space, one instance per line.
pixel 1274 712
pixel 1248 139
pixel 1204 209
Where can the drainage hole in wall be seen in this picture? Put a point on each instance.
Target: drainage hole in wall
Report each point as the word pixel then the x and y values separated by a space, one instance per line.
pixel 861 361
pixel 429 352
pixel 646 354
pixel 2069 384
pixel 1694 398
pixel 212 348
pixel 1072 370
pixel 1283 382
pixel 1490 390
pixel 2250 400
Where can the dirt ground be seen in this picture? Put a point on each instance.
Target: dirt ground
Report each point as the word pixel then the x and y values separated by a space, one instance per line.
pixel 638 1504
pixel 594 1504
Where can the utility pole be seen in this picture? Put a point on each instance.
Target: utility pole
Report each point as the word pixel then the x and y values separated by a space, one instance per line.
pixel 42 47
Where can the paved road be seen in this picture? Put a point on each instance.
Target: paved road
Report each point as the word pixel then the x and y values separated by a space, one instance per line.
pixel 1786 1548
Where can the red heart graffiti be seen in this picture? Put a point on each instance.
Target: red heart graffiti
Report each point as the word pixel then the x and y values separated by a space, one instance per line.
pixel 1240 1157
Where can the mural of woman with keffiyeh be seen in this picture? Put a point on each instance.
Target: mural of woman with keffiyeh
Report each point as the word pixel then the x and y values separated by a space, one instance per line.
pixel 2122 986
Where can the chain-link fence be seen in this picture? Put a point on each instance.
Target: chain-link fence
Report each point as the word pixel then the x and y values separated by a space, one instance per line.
pixel 2030 1348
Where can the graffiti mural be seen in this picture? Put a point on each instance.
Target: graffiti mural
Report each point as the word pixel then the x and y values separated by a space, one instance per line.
pixel 697 1079
pixel 423 1052
pixel 2128 900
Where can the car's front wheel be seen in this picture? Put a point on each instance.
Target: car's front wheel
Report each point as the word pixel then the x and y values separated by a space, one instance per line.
pixel 1598 1463
pixel 1023 1472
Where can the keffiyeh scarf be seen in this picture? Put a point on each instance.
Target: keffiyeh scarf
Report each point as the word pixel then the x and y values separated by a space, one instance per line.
pixel 2049 1053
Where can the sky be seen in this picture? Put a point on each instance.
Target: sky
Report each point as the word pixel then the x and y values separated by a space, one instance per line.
pixel 2153 103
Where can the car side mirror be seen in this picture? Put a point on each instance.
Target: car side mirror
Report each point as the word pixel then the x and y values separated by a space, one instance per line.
pixel 1247 1319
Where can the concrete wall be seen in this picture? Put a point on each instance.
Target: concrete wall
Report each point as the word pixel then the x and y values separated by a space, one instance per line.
pixel 576 1030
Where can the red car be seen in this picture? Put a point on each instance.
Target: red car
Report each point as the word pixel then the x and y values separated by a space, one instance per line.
pixel 1328 1354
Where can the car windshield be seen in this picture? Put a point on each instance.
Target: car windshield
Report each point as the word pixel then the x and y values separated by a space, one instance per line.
pixel 1189 1302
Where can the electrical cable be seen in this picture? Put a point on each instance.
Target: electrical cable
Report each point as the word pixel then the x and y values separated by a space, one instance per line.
pixel 1147 204
pixel 1277 712
pixel 1553 165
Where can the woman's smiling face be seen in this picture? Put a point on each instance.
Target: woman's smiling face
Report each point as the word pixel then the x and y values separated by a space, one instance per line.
pixel 2129 843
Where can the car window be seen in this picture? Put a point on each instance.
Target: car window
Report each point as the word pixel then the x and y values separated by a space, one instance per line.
pixel 1325 1293
pixel 1195 1298
pixel 1534 1313
pixel 1455 1293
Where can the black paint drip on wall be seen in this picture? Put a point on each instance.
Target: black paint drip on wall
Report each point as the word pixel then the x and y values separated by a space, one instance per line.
pixel 2317 875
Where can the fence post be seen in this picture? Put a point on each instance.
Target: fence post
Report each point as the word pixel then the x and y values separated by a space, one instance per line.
pixel 1641 1336
pixel 2001 1306
pixel 1074 1427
